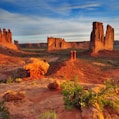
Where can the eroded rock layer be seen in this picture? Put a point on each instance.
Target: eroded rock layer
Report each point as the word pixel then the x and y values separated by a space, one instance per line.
pixel 6 39
pixel 99 41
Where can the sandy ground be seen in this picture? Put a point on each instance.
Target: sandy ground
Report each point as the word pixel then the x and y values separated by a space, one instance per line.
pixel 85 71
pixel 38 98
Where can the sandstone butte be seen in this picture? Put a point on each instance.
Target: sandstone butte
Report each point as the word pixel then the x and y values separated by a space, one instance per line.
pixel 60 43
pixel 57 43
pixel 6 39
pixel 99 41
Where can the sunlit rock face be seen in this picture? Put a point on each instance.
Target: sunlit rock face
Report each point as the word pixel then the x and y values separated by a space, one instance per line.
pixel 6 36
pixel 99 41
pixel 60 43
pixel 6 39
pixel 109 38
pixel 16 42
pixel 37 68
pixel 57 43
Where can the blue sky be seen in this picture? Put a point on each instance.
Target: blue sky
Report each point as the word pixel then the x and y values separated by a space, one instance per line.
pixel 35 20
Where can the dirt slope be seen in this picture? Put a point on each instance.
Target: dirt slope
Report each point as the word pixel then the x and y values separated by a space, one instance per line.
pixel 85 71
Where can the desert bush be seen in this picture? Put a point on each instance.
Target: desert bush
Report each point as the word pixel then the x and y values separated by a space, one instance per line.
pixel 18 80
pixel 75 95
pixel 48 115
pixel 4 113
pixel 9 80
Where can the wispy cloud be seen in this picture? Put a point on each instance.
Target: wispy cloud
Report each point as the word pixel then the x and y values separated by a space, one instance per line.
pixel 38 19
pixel 70 29
pixel 84 6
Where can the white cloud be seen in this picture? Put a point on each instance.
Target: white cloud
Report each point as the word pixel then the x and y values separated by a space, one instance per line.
pixel 81 6
pixel 37 28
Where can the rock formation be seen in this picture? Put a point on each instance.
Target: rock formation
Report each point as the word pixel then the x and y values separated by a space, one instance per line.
pixel 16 43
pixel 109 39
pixel 6 39
pixel 14 96
pixel 73 55
pixel 59 44
pixel 33 45
pixel 100 42
pixel 37 68
pixel 6 36
pixel 54 85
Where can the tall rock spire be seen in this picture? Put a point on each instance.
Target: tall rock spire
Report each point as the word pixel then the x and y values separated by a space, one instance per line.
pixel 97 39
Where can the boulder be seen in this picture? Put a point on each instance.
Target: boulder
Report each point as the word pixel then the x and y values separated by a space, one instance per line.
pixel 14 96
pixel 54 85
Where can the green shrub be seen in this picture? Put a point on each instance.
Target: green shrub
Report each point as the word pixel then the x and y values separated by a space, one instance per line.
pixel 75 95
pixel 4 113
pixel 48 115
pixel 10 80
pixel 18 80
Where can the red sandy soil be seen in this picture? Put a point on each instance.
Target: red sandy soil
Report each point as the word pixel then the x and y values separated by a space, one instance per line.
pixel 38 98
pixel 8 63
pixel 85 71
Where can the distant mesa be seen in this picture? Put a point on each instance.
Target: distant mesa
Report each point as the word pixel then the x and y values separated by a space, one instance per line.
pixel 99 41
pixel 60 43
pixel 57 43
pixel 6 39
pixel 33 45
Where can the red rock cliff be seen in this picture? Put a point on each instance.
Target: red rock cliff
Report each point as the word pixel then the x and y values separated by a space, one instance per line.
pixel 6 39
pixel 100 42
pixel 57 43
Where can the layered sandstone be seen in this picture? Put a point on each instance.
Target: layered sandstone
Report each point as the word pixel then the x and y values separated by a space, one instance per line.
pixel 60 43
pixel 16 42
pixel 6 39
pixel 99 41
pixel 73 55
pixel 109 39
pixel 57 43
pixel 6 36
pixel 33 45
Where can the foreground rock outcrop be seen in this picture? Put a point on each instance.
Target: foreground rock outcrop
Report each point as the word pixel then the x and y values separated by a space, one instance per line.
pixel 37 68
pixel 99 41
pixel 38 99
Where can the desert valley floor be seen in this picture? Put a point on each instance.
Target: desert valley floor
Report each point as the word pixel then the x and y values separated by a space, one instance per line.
pixel 91 72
